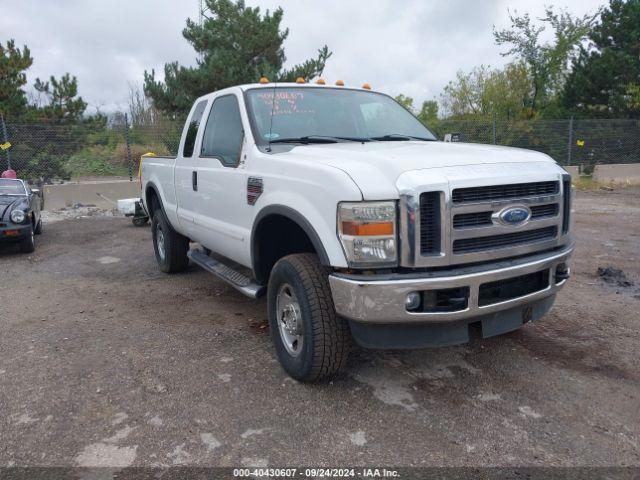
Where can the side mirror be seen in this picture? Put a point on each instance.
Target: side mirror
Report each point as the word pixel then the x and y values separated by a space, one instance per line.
pixel 35 191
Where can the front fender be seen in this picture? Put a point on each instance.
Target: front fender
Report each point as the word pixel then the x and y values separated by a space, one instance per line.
pixel 19 204
pixel 317 221
pixel 300 220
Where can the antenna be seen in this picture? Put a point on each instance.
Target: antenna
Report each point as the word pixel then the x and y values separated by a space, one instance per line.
pixel 273 104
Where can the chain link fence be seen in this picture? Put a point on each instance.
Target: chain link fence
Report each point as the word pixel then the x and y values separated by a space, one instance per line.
pixel 46 152
pixel 42 152
pixel 584 143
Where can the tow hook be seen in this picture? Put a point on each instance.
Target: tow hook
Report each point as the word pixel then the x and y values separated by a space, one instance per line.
pixel 563 272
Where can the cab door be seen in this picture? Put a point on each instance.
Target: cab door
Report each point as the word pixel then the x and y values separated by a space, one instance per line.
pixel 185 176
pixel 221 184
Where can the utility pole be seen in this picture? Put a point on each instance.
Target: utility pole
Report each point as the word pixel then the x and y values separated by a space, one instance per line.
pixel 128 142
pixel 495 133
pixel 6 139
pixel 570 145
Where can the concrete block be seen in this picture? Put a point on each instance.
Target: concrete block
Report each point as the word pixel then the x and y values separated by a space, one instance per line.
pixel 574 171
pixel 627 174
pixel 102 194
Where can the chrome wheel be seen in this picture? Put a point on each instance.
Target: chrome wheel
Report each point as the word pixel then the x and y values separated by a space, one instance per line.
pixel 160 243
pixel 289 319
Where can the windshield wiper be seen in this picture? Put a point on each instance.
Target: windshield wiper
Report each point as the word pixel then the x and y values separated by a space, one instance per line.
pixel 398 137
pixel 318 139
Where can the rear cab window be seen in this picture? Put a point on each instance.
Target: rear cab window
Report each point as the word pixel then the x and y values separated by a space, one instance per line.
pixel 192 130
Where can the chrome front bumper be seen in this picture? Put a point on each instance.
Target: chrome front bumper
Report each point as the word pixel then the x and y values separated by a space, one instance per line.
pixel 382 301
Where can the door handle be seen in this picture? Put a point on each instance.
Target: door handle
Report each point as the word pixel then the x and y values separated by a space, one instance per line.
pixel 194 180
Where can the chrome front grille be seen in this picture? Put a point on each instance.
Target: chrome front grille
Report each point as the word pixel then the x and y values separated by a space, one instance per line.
pixel 492 242
pixel 461 224
pixel 430 224
pixel 477 219
pixel 474 219
pixel 502 192
pixel 566 204
pixel 541 211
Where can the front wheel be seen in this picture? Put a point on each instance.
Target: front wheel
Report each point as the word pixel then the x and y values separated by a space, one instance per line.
pixel 28 244
pixel 170 247
pixel 312 342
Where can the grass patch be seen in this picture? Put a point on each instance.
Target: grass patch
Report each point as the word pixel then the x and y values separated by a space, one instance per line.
pixel 586 183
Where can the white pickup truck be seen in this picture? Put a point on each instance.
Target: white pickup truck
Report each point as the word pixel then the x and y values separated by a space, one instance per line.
pixel 341 207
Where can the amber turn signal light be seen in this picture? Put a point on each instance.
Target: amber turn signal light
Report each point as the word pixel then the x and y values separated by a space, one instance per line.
pixel 360 229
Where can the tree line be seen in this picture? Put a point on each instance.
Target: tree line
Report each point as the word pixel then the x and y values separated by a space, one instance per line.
pixel 590 69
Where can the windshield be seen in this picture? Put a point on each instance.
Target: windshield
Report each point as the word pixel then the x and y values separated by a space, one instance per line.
pixel 330 112
pixel 11 187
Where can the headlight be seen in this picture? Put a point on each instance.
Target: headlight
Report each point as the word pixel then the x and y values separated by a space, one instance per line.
pixel 367 231
pixel 17 216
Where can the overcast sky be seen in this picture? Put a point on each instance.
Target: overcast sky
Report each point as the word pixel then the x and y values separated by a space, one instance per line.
pixel 399 46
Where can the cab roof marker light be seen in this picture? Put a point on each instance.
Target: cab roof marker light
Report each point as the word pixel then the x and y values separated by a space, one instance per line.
pixel 340 83
pixel 321 81
pixel 300 80
pixel 264 80
pixel 366 86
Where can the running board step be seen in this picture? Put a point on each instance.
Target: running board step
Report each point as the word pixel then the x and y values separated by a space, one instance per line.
pixel 237 280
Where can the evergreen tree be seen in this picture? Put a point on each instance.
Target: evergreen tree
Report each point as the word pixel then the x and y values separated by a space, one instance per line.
pixel 235 44
pixel 64 104
pixel 13 63
pixel 606 75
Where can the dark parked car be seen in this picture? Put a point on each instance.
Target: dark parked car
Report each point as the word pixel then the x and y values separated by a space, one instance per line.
pixel 20 208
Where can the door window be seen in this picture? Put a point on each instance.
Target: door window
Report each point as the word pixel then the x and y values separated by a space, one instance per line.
pixel 192 130
pixel 223 134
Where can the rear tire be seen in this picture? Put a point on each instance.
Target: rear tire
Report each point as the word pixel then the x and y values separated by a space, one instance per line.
pixel 28 245
pixel 170 247
pixel 311 341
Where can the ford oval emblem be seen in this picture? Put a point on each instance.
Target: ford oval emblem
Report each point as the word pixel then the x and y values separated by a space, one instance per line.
pixel 514 215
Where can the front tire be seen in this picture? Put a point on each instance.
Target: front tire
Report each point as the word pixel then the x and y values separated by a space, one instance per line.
pixel 170 247
pixel 38 229
pixel 28 244
pixel 311 341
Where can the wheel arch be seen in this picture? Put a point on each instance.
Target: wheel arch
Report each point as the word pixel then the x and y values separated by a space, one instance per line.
pixel 152 198
pixel 273 213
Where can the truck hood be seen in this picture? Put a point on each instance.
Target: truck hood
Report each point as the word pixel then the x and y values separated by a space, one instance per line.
pixel 375 167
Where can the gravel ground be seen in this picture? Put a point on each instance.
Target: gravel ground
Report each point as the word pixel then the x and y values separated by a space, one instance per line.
pixel 105 361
